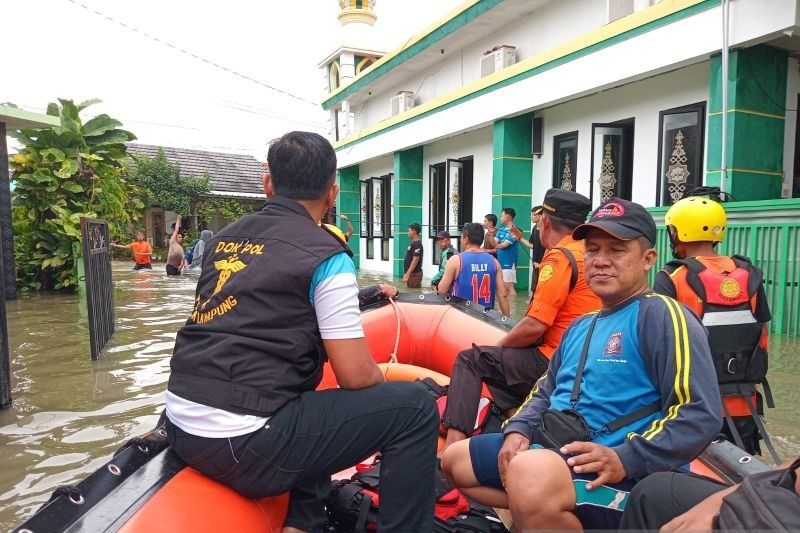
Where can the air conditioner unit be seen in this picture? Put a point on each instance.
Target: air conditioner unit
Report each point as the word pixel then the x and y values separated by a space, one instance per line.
pixel 497 59
pixel 402 101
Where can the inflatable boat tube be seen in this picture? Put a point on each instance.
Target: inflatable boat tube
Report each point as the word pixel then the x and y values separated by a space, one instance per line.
pixel 146 486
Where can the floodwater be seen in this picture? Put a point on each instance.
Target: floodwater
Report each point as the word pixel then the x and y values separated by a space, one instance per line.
pixel 70 413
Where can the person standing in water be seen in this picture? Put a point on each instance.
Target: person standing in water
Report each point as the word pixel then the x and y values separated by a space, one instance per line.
pixel 142 252
pixel 199 248
pixel 175 260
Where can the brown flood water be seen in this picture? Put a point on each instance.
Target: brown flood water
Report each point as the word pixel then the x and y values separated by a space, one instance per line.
pixel 70 414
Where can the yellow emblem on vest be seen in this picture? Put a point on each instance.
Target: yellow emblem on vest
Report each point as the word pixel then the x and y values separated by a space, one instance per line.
pixel 729 288
pixel 546 273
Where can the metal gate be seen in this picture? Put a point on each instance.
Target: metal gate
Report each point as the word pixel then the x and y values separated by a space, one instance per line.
pixel 99 285
pixel 5 366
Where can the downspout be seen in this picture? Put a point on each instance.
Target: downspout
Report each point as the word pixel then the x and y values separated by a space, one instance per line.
pixel 723 181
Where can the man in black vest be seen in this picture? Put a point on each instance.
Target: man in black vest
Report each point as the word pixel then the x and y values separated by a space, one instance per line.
pixel 278 297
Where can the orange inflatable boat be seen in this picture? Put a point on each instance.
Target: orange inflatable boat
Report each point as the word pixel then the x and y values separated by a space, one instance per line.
pixel 146 487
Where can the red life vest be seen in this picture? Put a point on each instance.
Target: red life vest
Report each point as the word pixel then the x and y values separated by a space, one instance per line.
pixel 733 331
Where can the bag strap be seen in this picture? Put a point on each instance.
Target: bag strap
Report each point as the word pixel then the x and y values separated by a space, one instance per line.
pixel 630 418
pixel 761 429
pixel 576 387
pixel 573 277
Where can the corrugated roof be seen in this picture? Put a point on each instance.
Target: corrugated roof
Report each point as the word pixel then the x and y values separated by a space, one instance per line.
pixel 229 174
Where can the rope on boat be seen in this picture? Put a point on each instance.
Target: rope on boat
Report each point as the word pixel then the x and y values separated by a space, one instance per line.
pixel 393 356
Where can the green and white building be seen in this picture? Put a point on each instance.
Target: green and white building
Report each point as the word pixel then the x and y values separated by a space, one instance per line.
pixel 503 99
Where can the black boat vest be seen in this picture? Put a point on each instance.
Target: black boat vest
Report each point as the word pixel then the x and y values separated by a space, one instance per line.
pixel 252 342
pixel 733 331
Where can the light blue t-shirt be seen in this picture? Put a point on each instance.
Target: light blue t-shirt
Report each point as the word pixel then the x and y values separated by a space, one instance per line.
pixel 507 256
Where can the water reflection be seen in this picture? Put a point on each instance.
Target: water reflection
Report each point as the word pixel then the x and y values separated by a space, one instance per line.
pixel 71 413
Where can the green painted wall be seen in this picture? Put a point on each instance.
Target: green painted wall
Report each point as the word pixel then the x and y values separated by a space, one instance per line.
pixel 756 100
pixel 349 205
pixel 406 201
pixel 512 172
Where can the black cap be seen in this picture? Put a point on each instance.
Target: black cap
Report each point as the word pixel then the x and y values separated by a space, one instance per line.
pixel 622 219
pixel 443 235
pixel 566 204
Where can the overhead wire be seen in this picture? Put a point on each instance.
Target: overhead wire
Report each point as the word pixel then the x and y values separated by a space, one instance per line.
pixel 192 54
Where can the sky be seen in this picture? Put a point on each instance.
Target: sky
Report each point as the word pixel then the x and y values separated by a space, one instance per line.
pixel 65 49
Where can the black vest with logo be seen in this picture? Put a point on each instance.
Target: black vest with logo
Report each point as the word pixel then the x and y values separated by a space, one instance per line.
pixel 733 331
pixel 252 342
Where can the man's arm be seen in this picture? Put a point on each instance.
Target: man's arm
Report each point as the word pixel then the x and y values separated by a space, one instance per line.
pixel 526 332
pixel 442 265
pixel 684 373
pixel 551 294
pixel 500 288
pixel 450 272
pixel 176 230
pixel 334 295
pixel 413 264
pixel 121 245
pixel 350 230
pixel 352 363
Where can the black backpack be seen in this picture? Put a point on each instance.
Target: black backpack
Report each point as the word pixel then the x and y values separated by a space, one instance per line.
pixel 767 501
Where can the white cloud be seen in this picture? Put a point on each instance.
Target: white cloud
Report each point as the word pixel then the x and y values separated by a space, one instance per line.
pixel 56 48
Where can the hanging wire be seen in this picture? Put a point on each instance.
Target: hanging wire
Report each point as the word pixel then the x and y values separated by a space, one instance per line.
pixel 192 54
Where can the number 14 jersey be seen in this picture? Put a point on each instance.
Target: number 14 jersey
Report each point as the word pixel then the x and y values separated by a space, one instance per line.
pixel 476 278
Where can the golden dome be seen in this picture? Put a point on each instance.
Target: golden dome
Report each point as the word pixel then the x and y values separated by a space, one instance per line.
pixel 357 11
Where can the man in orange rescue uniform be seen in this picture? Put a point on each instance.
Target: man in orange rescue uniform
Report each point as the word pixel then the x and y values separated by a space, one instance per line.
pixel 727 293
pixel 512 367
pixel 142 252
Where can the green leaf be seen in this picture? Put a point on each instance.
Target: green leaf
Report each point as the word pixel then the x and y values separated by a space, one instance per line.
pixel 73 187
pixel 110 137
pixel 69 110
pixel 55 153
pixel 69 167
pixel 99 125
pixel 52 109
pixel 86 103
pixel 71 125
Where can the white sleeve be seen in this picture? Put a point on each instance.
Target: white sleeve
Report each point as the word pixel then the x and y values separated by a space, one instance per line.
pixel 336 305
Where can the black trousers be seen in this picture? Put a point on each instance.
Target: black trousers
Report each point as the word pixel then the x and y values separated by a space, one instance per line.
pixel 173 271
pixel 321 433
pixel 660 497
pixel 510 374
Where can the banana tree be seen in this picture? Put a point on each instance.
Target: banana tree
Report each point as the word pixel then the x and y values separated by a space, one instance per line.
pixel 61 174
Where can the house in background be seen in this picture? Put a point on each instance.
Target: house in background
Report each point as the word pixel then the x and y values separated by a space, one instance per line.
pixel 500 100
pixel 232 176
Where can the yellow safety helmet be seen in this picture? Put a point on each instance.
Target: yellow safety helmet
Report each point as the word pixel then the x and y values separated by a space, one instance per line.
pixel 696 219
pixel 336 231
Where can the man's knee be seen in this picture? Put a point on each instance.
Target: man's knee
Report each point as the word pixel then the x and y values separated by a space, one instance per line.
pixel 457 465
pixel 540 479
pixel 411 394
pixel 467 359
pixel 653 484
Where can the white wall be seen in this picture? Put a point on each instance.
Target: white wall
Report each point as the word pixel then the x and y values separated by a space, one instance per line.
pixel 641 101
pixel 375 169
pixel 547 27
pixel 477 144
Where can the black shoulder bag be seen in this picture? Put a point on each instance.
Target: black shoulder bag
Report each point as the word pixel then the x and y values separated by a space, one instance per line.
pixel 559 427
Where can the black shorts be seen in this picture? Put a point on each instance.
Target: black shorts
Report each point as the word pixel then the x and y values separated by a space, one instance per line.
pixel 599 508
pixel 143 266
pixel 173 271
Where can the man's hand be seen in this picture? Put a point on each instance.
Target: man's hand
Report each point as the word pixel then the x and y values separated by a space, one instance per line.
pixel 388 291
pixel 513 443
pixel 405 278
pixel 343 217
pixel 700 517
pixel 592 457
